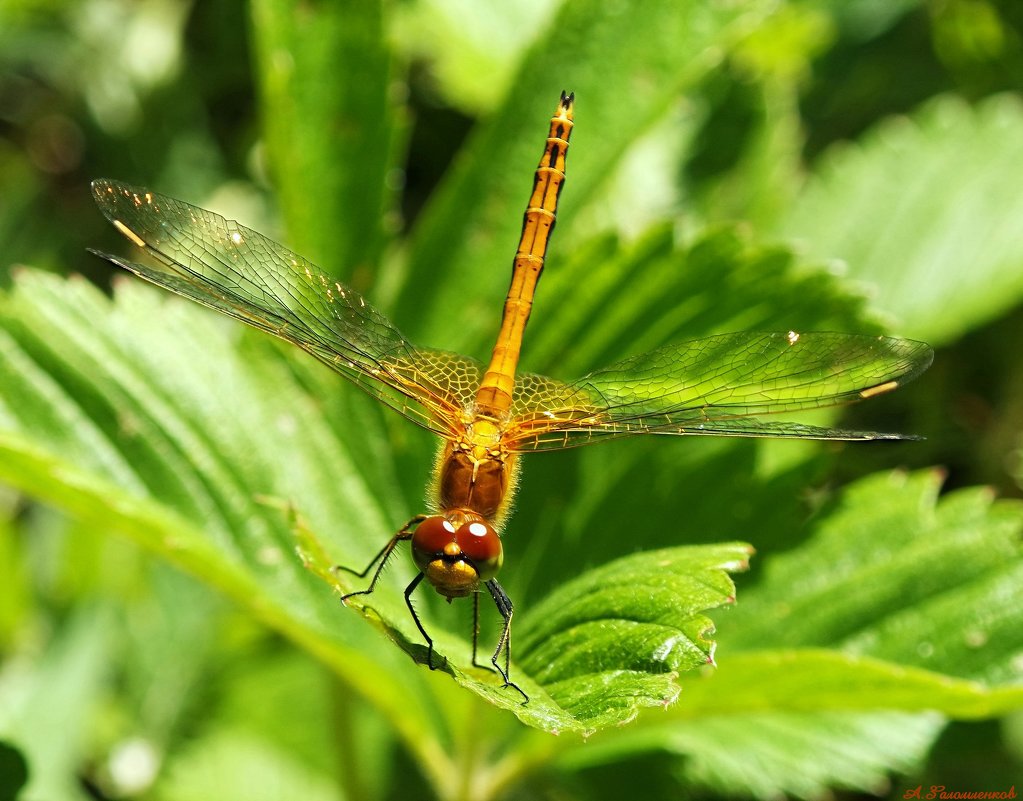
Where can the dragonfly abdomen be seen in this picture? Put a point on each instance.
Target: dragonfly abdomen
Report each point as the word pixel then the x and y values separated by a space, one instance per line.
pixel 494 396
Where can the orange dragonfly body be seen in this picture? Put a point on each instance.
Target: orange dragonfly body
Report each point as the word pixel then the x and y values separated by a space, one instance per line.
pixel 489 415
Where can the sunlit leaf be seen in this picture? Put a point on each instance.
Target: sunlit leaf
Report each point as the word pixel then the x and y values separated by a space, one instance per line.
pixel 900 612
pixel 331 143
pixel 925 211
pixel 894 572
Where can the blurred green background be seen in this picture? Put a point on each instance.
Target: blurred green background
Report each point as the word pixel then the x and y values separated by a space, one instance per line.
pixel 846 165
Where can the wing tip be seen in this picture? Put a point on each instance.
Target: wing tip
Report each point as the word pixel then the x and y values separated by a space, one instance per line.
pixel 103 187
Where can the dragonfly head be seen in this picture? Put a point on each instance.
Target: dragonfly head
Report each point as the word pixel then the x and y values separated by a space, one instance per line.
pixel 456 552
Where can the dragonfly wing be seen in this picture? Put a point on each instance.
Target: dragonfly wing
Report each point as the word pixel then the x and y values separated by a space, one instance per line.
pixel 238 271
pixel 717 385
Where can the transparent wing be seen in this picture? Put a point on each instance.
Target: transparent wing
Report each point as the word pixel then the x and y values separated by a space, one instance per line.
pixel 240 272
pixel 717 385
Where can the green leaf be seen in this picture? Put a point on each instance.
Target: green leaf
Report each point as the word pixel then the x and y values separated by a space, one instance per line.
pixel 615 639
pixel 893 572
pixel 820 680
pixel 331 142
pixel 653 598
pixel 920 209
pixel 844 662
pixel 920 606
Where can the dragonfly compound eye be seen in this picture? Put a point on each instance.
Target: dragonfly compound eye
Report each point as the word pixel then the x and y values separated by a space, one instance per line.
pixel 482 546
pixel 431 539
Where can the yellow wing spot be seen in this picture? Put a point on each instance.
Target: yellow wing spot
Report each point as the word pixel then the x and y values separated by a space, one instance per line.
pixel 124 229
pixel 793 337
pixel 880 389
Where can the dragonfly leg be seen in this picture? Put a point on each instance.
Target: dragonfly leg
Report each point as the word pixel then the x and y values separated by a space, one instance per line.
pixel 382 556
pixel 408 602
pixel 504 606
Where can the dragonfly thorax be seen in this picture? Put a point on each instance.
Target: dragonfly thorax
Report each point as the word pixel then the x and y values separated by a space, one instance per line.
pixel 456 551
pixel 474 477
pixel 483 431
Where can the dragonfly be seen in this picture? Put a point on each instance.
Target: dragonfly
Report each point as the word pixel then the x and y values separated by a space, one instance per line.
pixel 488 415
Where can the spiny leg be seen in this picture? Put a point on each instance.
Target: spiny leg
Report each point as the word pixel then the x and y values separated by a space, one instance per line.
pixel 382 556
pixel 476 629
pixel 504 606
